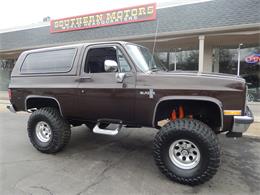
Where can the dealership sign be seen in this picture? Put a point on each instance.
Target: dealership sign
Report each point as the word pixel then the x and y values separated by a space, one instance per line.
pixel 107 18
pixel 252 59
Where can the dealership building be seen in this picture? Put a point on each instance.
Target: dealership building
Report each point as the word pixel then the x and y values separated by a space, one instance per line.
pixel 205 36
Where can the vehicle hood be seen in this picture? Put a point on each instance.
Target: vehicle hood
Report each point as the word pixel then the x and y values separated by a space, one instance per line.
pixel 193 81
pixel 203 74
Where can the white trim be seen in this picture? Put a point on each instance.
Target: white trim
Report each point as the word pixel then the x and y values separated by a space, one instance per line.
pixel 127 38
pixel 39 96
pixel 179 3
pixel 25 27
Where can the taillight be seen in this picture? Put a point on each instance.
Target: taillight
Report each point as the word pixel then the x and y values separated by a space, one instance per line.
pixel 10 94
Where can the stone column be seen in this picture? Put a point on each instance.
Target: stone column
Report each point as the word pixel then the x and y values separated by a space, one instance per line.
pixel 208 61
pixel 201 52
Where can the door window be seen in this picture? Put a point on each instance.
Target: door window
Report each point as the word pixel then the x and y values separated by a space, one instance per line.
pixel 96 58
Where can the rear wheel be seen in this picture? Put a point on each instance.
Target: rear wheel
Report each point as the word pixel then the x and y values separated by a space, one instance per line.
pixel 48 131
pixel 187 151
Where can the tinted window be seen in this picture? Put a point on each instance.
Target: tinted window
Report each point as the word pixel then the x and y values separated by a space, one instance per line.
pixel 96 58
pixel 49 61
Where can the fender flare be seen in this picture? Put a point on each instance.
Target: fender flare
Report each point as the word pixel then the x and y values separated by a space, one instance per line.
pixel 194 98
pixel 44 97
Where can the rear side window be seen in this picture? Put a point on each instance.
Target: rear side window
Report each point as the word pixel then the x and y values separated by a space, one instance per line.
pixel 49 61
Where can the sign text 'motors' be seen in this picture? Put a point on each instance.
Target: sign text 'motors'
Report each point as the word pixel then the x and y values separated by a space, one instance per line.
pixel 108 18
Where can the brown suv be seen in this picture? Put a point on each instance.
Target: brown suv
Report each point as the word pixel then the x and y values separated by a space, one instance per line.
pixel 110 85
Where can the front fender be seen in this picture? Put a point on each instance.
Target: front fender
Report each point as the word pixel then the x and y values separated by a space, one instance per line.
pixel 194 98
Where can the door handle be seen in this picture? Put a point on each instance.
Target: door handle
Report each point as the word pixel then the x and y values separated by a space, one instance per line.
pixel 82 79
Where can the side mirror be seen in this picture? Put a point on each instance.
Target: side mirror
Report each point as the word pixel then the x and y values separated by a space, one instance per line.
pixel 110 66
pixel 120 76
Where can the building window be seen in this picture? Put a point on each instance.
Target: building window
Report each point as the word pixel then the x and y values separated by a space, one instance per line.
pixel 179 60
pixel 226 61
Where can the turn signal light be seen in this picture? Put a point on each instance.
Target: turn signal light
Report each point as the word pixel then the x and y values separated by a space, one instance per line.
pixel 232 112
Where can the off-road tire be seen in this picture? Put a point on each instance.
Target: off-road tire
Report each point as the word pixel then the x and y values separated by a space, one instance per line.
pixel 196 132
pixel 60 130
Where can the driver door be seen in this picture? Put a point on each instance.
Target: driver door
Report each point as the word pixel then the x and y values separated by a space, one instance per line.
pixel 100 93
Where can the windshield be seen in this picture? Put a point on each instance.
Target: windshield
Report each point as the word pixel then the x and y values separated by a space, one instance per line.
pixel 143 58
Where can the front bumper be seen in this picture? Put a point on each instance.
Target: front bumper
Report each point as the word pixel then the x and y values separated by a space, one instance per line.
pixel 11 108
pixel 241 123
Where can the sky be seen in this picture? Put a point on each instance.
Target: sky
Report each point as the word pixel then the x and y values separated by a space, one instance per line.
pixel 15 13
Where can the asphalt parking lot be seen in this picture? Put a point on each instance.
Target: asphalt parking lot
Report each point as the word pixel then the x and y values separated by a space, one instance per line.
pixel 98 164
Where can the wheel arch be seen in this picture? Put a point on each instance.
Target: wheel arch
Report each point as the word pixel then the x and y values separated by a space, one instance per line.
pixel 37 101
pixel 212 100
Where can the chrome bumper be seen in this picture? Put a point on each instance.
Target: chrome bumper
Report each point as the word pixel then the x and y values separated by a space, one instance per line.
pixel 11 108
pixel 241 123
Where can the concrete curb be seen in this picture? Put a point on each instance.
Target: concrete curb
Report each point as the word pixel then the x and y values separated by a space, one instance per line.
pixel 4 102
pixel 257 119
pixel 251 136
pixel 253 131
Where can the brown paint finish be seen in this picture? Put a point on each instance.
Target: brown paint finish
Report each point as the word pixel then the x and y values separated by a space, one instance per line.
pixel 103 97
pixel 229 91
pixel 99 95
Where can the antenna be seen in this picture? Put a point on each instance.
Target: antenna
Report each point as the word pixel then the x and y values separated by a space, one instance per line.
pixel 155 36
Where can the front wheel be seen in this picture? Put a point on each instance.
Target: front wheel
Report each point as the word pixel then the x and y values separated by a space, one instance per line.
pixel 187 151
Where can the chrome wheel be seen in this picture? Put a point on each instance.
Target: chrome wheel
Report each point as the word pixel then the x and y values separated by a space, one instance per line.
pixel 184 154
pixel 43 131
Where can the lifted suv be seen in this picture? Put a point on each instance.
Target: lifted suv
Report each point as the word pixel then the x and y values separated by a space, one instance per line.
pixel 110 85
